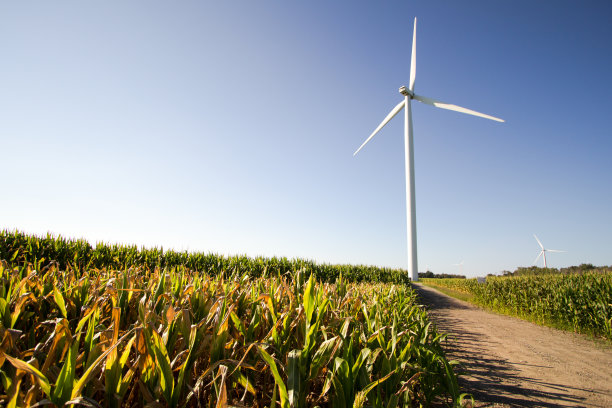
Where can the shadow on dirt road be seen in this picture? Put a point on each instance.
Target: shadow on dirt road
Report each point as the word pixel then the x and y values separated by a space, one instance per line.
pixel 506 362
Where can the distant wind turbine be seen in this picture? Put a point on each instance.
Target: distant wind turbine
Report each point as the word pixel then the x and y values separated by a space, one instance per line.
pixel 409 95
pixel 460 265
pixel 543 251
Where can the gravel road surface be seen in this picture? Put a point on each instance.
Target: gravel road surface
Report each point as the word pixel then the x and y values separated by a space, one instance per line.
pixel 509 362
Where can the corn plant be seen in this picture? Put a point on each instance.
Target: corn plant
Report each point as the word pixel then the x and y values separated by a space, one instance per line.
pixel 581 302
pixel 173 336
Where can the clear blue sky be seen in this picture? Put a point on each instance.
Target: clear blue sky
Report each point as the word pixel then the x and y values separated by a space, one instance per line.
pixel 229 127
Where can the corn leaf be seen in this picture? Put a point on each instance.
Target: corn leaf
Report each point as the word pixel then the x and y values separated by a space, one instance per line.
pixel 65 380
pixel 282 389
pixel 59 301
pixel 244 381
pixel 295 383
pixel 163 366
pixel 88 374
pixel 323 355
pixel 42 381
pixel 309 300
pixel 21 303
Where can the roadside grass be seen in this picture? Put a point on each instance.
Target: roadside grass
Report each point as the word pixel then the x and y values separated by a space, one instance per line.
pixel 466 297
pixel 597 338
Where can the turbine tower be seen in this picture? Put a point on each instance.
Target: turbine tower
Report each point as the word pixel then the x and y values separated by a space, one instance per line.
pixel 460 265
pixel 543 252
pixel 409 95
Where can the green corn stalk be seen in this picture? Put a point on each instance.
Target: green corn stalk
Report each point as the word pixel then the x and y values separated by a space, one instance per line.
pixel 295 381
pixel 280 384
pixel 195 338
pixel 67 387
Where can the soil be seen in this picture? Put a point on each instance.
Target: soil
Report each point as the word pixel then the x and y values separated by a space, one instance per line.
pixel 508 362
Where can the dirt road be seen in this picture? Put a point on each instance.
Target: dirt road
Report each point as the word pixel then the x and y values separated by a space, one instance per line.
pixel 513 363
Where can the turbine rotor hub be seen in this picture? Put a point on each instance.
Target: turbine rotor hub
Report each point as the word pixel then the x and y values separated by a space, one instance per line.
pixel 406 92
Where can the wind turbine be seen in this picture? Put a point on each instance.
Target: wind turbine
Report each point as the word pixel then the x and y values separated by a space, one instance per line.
pixel 409 95
pixel 460 265
pixel 543 251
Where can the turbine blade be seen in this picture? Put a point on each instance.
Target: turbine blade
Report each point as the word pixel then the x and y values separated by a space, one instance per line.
pixel 413 59
pixel 539 255
pixel 444 105
pixel 390 116
pixel 541 246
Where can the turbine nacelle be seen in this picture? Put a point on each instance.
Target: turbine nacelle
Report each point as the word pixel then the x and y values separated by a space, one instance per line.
pixel 406 92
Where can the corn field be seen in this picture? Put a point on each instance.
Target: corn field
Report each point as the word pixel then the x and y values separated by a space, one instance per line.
pixel 579 302
pixel 169 337
pixel 77 254
pixel 468 286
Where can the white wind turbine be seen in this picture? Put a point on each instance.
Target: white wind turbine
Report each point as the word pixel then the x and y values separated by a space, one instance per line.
pixel 409 95
pixel 543 251
pixel 460 265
